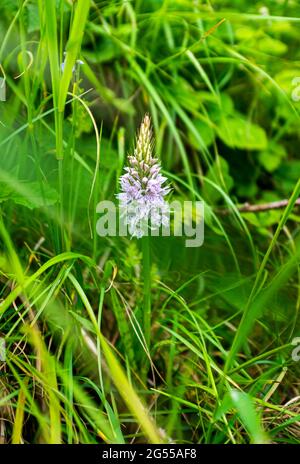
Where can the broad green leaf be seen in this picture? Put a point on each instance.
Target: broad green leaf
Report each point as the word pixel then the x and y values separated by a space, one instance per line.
pixel 245 33
pixel 272 46
pixel 206 132
pixel 29 194
pixel 271 158
pixel 237 132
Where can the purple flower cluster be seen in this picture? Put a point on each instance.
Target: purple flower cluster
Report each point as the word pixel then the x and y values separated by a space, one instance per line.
pixel 142 194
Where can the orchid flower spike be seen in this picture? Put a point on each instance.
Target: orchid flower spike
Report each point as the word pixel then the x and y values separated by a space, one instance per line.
pixel 142 202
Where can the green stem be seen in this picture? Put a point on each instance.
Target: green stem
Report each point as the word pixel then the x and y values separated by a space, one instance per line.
pixel 59 157
pixel 61 204
pixel 147 289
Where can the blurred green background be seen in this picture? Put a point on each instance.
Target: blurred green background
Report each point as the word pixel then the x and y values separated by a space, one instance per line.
pixel 220 82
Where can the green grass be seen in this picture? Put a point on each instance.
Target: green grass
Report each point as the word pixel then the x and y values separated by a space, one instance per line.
pixel 132 341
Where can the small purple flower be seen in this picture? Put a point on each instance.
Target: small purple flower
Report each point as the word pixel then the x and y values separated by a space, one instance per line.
pixel 142 194
pixel 77 63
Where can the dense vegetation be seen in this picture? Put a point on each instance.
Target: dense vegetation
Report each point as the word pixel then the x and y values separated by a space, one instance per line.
pixel 220 80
